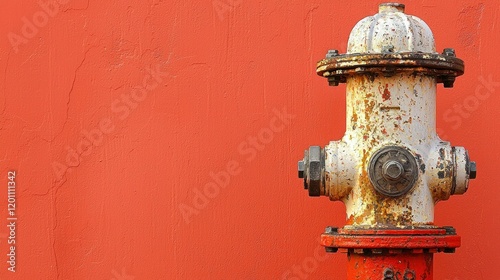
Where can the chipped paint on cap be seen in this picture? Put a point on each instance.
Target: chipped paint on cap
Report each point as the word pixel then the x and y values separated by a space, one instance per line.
pixel 391 29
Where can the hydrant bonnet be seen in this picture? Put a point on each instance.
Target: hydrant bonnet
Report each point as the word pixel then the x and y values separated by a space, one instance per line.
pixel 391 30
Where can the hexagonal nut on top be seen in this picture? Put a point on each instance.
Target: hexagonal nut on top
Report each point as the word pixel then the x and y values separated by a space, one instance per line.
pixel 311 168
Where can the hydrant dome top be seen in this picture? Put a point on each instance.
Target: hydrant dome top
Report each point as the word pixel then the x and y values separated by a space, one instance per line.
pixel 391 30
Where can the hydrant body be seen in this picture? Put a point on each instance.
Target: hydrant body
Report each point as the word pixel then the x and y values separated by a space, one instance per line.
pixel 390 168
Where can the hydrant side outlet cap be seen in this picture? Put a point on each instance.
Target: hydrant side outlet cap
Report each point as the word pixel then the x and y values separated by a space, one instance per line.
pixel 391 30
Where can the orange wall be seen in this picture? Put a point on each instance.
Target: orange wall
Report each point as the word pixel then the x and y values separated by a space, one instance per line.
pixel 217 74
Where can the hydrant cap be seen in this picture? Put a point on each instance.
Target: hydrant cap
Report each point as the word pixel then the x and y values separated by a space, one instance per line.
pixel 391 30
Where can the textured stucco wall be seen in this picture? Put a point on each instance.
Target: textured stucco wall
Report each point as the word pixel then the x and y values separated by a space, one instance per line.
pixel 116 115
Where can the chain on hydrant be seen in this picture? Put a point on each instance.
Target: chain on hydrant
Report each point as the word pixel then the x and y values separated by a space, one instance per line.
pixel 390 168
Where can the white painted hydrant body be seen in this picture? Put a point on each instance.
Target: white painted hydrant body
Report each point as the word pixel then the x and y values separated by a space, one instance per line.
pixel 390 168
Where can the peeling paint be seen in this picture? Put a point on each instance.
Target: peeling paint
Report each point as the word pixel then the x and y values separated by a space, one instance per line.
pixel 390 106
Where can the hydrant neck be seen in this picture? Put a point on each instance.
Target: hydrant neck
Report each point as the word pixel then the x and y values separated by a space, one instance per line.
pixel 382 110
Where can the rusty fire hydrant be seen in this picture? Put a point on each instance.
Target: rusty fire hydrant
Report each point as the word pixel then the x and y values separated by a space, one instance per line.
pixel 390 168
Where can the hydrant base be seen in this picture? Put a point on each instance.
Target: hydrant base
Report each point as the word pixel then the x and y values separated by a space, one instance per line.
pixel 406 266
pixel 388 254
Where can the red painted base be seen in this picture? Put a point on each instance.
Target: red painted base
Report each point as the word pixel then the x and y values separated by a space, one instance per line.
pixel 390 254
pixel 407 266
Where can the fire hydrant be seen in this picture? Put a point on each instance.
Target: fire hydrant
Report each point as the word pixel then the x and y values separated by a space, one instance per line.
pixel 390 168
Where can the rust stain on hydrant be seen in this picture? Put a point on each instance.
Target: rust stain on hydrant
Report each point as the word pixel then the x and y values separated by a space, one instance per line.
pixel 387 94
pixel 391 167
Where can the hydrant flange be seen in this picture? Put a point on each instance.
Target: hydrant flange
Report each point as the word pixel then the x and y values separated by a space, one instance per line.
pixel 443 66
